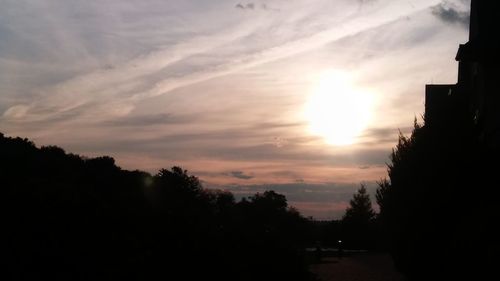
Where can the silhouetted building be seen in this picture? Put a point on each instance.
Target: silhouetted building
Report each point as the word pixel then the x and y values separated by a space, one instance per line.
pixel 476 95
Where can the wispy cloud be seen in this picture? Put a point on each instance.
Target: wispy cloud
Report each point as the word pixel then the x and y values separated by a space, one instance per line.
pixel 149 120
pixel 193 60
pixel 221 91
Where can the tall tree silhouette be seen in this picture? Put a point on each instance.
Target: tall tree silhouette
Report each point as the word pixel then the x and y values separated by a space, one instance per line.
pixel 360 209
pixel 357 223
pixel 431 202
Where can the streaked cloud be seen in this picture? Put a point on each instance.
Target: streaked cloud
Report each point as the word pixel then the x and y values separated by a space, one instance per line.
pixel 240 175
pixel 221 91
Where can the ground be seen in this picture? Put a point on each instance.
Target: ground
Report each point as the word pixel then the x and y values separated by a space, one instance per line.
pixel 357 267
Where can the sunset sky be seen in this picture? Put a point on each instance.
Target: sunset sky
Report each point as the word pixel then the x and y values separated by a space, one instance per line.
pixel 304 97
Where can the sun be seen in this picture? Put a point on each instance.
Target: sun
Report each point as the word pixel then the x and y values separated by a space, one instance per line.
pixel 337 110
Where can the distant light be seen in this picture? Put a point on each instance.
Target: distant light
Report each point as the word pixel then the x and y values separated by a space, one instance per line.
pixel 340 241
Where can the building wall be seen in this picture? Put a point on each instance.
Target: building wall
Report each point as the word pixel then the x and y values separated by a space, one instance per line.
pixel 476 96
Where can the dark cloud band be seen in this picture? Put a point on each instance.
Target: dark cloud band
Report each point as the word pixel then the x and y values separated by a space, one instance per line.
pixel 451 15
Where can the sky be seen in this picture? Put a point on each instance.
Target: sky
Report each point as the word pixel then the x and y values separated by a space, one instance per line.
pixel 304 97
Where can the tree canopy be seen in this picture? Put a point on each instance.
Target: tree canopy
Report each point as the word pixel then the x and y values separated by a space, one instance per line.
pixel 360 209
pixel 433 202
pixel 358 222
pixel 75 218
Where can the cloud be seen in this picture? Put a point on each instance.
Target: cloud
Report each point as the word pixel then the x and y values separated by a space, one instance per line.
pixel 167 66
pixel 451 14
pixel 188 137
pixel 201 85
pixel 385 135
pixel 240 175
pixel 248 6
pixel 254 6
pixel 224 146
pixel 149 120
pixel 16 112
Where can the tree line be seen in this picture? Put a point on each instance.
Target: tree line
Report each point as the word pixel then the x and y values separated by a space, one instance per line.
pixel 69 217
pixel 72 217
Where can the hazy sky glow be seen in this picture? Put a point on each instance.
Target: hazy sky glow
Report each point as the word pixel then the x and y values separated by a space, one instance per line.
pixel 224 88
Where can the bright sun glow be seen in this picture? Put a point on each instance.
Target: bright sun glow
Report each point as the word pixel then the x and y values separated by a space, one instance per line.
pixel 337 110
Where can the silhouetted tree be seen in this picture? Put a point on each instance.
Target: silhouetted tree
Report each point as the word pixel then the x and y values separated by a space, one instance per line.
pixel 360 208
pixel 269 201
pixel 357 222
pixel 74 218
pixel 433 174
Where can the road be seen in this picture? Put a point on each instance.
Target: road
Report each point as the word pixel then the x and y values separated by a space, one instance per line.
pixel 357 267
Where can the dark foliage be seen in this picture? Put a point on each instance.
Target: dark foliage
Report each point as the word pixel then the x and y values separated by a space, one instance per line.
pixel 439 207
pixel 359 228
pixel 360 210
pixel 72 218
pixel 358 223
